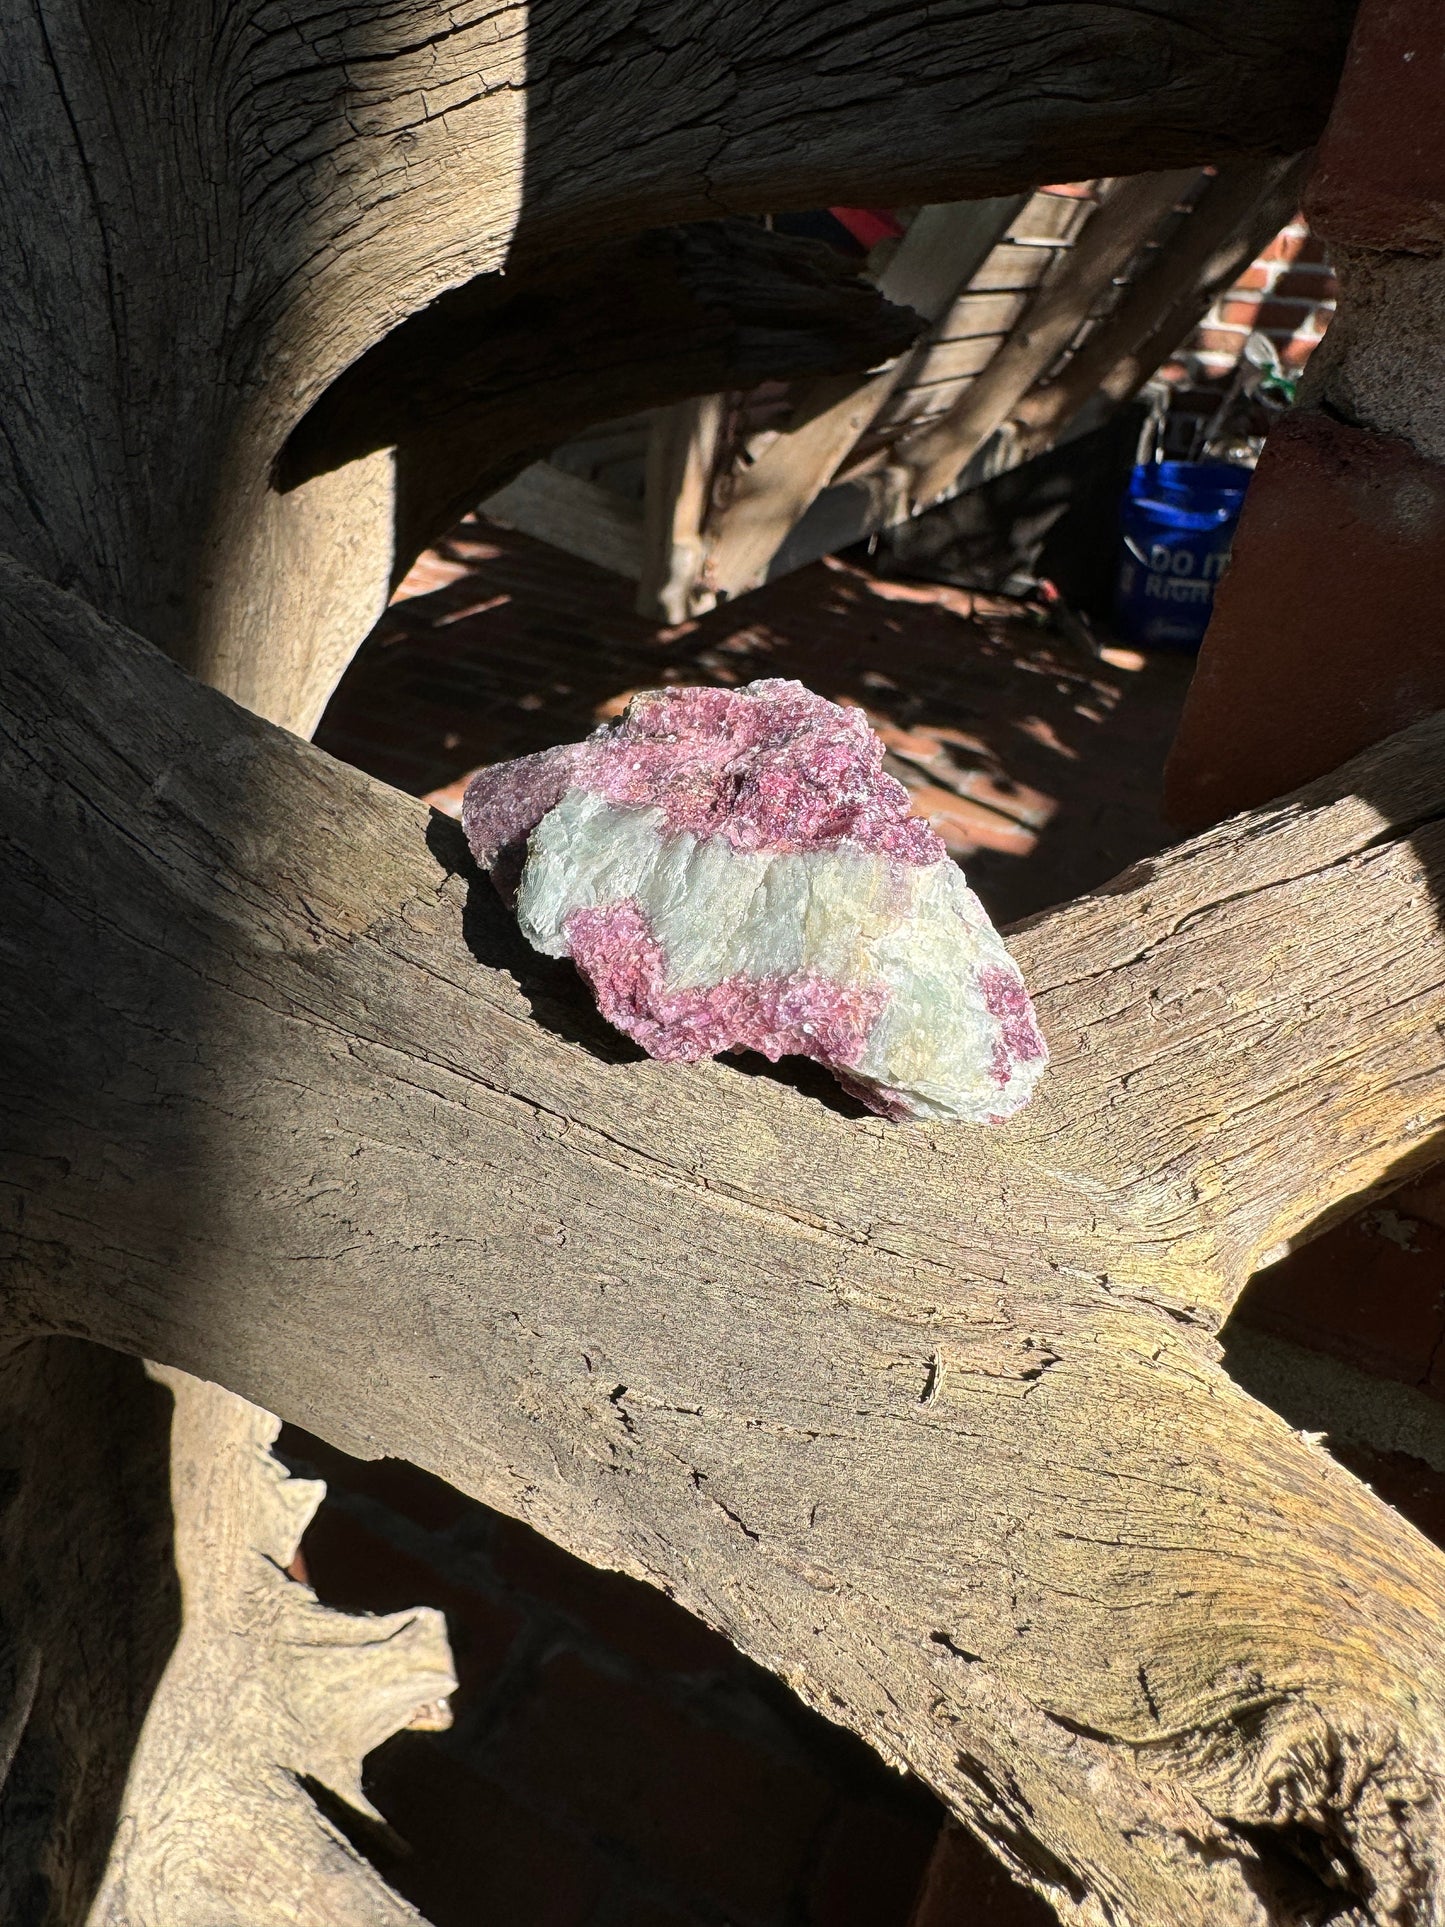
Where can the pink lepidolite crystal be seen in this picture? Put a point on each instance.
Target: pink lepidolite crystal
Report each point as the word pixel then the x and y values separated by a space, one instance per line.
pixel 730 869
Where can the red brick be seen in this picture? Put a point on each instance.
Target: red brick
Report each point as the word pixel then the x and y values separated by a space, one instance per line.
pixel 1310 250
pixel 624 1614
pixel 1379 176
pixel 872 1867
pixel 967 1887
pixel 704 1809
pixel 1306 284
pixel 1328 626
pixel 1218 341
pixel 351 1567
pixel 1237 312
pixel 477 1853
pixel 1295 353
pixel 1284 317
pixel 1255 279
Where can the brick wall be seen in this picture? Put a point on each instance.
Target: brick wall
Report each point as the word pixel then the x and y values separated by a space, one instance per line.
pixel 1289 293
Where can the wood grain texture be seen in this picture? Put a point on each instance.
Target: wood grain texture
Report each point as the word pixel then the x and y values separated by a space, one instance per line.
pixel 267 1707
pixel 90 1611
pixel 929 1421
pixel 181 1718
pixel 572 514
pixel 1128 215
pixel 329 173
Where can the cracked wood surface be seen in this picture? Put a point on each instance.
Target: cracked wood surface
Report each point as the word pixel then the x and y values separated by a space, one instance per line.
pixel 179 1720
pixel 928 1420
pixel 231 205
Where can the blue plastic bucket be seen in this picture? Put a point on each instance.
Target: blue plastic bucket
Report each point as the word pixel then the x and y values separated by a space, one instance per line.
pixel 1177 521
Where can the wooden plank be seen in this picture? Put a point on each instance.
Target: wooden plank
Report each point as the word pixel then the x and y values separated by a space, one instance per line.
pixel 1037 243
pixel 979 311
pixel 1052 220
pixel 1133 208
pixel 600 451
pixel 936 257
pixel 572 514
pixel 1013 269
pixel 1237 215
pixel 953 361
pixel 681 450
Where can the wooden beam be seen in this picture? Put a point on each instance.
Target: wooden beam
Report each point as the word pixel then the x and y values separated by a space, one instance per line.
pixel 1031 253
pixel 572 514
pixel 1236 216
pixel 681 451
pixel 936 257
pixel 1133 209
pixel 928 1420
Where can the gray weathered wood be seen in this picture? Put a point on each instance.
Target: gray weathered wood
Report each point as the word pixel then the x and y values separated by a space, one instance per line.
pixel 935 259
pixel 172 1696
pixel 573 514
pixel 213 221
pixel 219 265
pixel 1130 212
pixel 681 449
pixel 930 1421
pixel 467 392
pixel 267 1694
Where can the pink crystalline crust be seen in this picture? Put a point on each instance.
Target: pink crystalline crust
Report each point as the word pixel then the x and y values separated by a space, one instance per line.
pixel 1006 999
pixel 772 768
pixel 504 804
pixel 796 1016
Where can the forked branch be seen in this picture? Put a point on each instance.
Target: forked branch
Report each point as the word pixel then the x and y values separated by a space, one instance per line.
pixel 929 1421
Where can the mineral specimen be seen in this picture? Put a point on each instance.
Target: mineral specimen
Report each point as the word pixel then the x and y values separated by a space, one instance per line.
pixel 730 869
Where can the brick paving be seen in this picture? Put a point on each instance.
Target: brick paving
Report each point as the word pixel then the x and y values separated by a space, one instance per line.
pixel 1039 765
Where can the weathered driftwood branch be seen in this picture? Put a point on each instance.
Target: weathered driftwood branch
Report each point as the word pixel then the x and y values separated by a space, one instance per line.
pixel 175 1705
pixel 492 376
pixel 929 1421
pixel 270 1703
pixel 218 269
